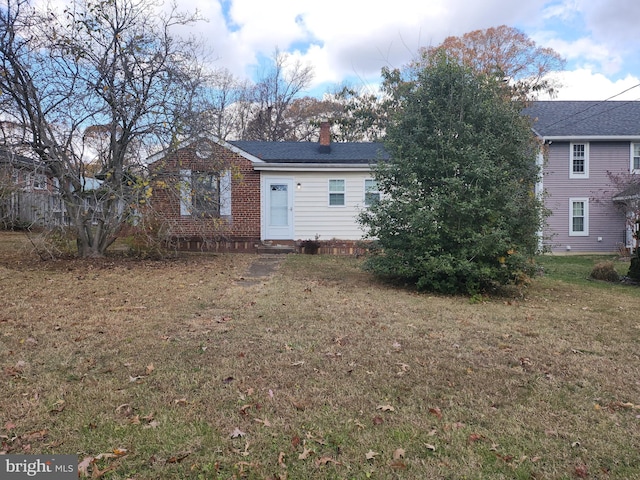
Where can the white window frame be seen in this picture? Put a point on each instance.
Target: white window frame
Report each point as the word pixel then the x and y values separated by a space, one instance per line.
pixel 373 190
pixel 584 174
pixel 632 156
pixel 342 192
pixel 186 193
pixel 38 181
pixel 585 231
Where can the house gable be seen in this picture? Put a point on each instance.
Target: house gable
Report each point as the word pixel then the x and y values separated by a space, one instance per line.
pixel 261 173
pixel 238 217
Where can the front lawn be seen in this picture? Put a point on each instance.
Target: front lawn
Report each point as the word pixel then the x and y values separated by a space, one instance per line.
pixel 182 369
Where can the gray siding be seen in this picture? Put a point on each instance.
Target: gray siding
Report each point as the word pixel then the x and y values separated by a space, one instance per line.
pixel 606 223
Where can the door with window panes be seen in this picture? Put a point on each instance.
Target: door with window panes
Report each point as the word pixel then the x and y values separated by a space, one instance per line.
pixel 279 209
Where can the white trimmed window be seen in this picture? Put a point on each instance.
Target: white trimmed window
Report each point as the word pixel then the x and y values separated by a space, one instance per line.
pixel 205 194
pixel 579 163
pixel 371 192
pixel 337 190
pixel 578 217
pixel 635 158
pixel 38 181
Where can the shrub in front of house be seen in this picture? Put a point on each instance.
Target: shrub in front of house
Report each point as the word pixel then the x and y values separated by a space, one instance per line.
pixel 605 271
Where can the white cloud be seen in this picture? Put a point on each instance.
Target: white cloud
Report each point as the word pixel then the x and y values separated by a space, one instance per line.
pixel 585 52
pixel 354 39
pixel 583 84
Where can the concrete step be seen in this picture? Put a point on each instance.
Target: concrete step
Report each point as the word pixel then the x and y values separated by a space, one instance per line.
pixel 276 249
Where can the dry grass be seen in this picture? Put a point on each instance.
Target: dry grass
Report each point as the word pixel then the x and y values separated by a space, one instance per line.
pixel 319 366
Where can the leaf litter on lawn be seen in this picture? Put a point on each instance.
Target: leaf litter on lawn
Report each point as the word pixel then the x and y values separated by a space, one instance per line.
pixel 313 353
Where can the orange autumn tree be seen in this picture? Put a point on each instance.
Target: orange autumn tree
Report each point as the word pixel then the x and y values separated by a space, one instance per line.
pixel 506 53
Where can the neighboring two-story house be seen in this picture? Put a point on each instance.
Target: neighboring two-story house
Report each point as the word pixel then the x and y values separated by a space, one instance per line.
pixel 591 151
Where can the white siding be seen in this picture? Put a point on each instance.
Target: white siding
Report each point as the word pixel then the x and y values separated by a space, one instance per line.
pixel 311 211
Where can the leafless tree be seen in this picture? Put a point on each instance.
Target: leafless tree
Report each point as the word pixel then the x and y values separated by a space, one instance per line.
pixel 274 94
pixel 112 66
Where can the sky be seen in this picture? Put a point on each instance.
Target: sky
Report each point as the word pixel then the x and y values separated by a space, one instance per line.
pixel 349 41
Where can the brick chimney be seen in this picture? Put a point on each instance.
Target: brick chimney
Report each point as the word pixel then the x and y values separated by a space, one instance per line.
pixel 325 137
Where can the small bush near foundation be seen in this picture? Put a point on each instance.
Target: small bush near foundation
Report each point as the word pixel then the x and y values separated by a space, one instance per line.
pixel 310 247
pixel 605 271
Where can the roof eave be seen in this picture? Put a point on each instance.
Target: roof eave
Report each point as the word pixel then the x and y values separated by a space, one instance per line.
pixel 590 138
pixel 313 167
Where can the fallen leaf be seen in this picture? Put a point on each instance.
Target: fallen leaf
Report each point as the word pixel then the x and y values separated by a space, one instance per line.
pixel 386 408
pixel 57 407
pixel 305 454
pixel 137 378
pixel 152 424
pixel 299 405
pixel 378 420
pixel 37 435
pixel 265 422
pixel 178 457
pixel 398 464
pixel 298 363
pixel 398 453
pixel 324 460
pixel 83 466
pixel 430 447
pixel 436 411
pixel 150 369
pixel 118 452
pixel 124 409
pixel 474 437
pixel 237 433
pixel 244 408
pixel 581 471
pixel 370 455
pixel 295 441
pixel 505 458
pixel 180 401
pixel 281 456
pixel 135 420
pixel 9 426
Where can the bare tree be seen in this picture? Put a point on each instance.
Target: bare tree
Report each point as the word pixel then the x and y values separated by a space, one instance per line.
pixel 273 95
pixel 223 103
pixel 112 64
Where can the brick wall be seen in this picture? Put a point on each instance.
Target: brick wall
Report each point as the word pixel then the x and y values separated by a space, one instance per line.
pixel 242 227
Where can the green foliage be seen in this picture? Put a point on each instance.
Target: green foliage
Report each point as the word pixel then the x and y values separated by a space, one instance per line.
pixel 458 213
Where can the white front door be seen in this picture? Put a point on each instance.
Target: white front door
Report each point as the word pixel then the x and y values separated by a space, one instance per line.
pixel 279 209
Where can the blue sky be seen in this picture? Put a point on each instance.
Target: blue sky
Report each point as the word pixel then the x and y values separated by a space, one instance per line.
pixel 351 40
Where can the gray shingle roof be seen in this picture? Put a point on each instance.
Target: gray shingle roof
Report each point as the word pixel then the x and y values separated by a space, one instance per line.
pixel 19 161
pixel 311 152
pixel 585 118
